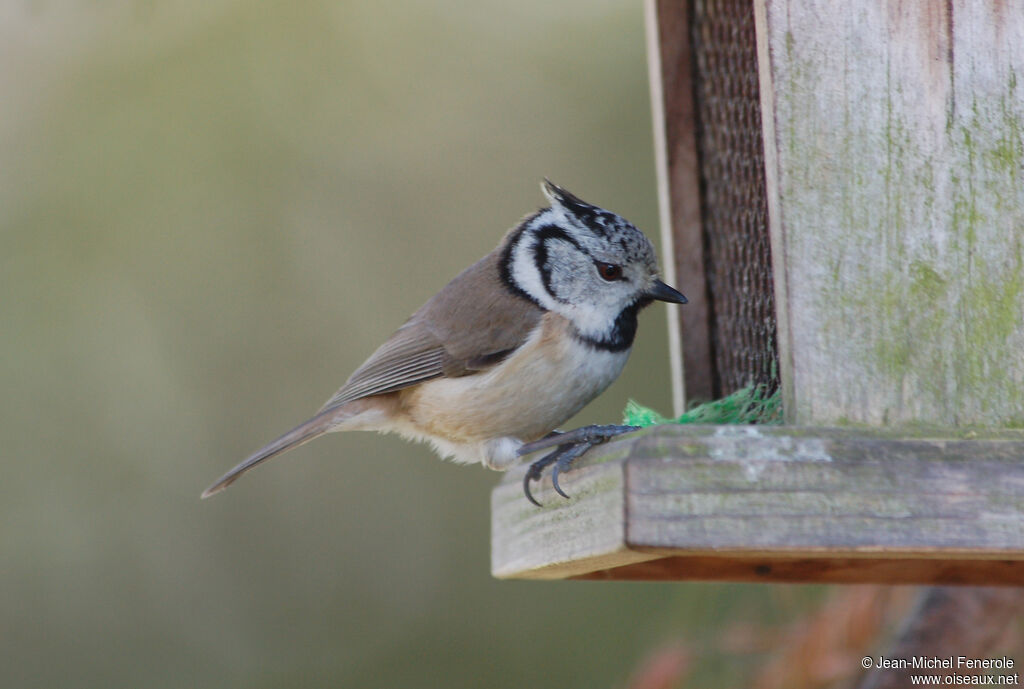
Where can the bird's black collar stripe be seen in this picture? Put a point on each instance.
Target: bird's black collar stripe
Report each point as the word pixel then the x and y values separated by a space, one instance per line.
pixel 622 333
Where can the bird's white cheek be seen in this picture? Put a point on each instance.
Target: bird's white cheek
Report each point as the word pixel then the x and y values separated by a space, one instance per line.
pixel 592 321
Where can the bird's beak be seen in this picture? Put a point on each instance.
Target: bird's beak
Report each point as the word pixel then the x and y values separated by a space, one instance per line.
pixel 662 292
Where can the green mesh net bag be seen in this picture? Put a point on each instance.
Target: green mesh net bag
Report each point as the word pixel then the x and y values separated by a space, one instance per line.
pixel 751 404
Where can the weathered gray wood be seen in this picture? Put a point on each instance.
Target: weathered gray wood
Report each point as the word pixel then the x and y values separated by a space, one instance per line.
pixel 776 504
pixel 583 536
pixel 669 56
pixel 894 149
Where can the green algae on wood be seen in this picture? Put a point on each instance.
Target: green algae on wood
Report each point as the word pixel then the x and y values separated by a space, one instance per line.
pixel 898 183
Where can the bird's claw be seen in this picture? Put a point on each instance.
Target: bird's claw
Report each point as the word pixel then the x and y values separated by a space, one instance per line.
pixel 565 460
pixel 570 447
pixel 536 470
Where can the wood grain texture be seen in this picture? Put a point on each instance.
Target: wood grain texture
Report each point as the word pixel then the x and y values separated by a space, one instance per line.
pixel 894 146
pixel 776 504
pixel 579 536
pixel 670 56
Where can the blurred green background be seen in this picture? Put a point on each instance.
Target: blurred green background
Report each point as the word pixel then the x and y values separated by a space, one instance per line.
pixel 210 213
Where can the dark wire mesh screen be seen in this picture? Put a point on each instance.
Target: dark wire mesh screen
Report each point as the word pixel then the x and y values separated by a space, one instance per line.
pixel 734 206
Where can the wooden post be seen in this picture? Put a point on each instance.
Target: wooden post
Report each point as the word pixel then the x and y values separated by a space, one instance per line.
pixel 669 58
pixel 894 153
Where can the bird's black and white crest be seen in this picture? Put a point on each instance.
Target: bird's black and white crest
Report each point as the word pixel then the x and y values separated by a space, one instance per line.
pixel 585 263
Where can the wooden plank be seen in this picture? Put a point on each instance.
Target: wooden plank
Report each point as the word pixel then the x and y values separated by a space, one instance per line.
pixel 527 539
pixel 669 55
pixel 894 146
pixel 776 504
pixel 780 277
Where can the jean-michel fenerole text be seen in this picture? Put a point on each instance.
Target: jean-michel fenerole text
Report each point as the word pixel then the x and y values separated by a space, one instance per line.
pixel 950 663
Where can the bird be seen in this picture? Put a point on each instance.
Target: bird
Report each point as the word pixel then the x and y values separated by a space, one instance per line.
pixel 513 347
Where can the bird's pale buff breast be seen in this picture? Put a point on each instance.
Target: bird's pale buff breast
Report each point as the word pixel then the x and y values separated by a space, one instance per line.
pixel 540 386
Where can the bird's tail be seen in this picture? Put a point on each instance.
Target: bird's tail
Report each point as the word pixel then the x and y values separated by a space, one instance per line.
pixel 303 433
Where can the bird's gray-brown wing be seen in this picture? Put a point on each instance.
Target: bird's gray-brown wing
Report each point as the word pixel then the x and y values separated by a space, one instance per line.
pixel 410 356
pixel 473 323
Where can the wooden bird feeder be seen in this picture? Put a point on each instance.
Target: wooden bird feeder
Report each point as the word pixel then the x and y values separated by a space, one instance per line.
pixel 842 185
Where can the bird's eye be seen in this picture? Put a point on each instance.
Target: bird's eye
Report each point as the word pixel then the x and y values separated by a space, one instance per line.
pixel 608 271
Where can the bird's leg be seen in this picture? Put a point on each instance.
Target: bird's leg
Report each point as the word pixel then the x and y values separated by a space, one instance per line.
pixel 594 434
pixel 571 445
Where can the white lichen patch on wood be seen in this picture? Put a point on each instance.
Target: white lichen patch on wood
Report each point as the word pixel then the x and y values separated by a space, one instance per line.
pixel 749 443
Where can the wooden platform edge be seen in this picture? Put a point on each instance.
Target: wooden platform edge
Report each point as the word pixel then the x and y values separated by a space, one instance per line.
pixel 799 504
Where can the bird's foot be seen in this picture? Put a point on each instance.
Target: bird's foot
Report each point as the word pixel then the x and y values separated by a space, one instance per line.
pixel 570 446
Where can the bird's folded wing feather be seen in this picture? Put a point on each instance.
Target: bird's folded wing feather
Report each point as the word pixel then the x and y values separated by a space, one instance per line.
pixel 473 323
